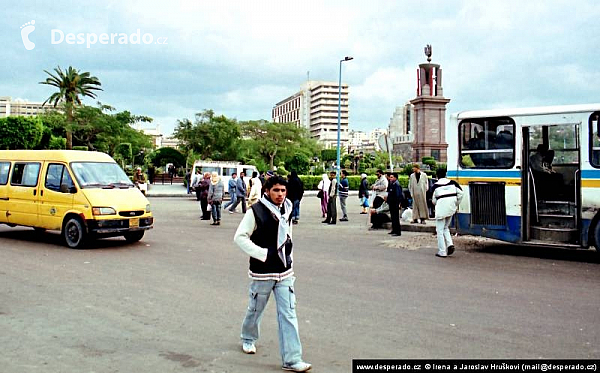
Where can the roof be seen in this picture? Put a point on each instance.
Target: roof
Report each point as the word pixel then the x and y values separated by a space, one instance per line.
pixel 54 155
pixel 528 111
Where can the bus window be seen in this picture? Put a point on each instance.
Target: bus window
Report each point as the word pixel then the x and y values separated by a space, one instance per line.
pixel 564 144
pixel 487 143
pixel 228 171
pixel 594 140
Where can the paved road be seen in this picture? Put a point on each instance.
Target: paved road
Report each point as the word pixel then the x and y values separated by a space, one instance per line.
pixel 174 301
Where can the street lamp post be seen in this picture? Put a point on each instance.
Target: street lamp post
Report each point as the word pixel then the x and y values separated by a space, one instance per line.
pixel 340 118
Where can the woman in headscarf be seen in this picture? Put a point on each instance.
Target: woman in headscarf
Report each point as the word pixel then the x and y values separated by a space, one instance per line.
pixel 215 197
pixel 324 193
pixel 363 193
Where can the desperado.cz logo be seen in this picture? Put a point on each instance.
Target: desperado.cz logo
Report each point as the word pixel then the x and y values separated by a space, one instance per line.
pixel 58 37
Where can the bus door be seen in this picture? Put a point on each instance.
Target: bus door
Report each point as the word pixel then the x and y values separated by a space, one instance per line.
pixel 551 183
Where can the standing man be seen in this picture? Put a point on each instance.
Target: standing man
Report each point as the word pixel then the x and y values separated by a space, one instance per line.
pixel 240 194
pixel 331 205
pixel 363 193
pixel 447 195
pixel 344 188
pixel 232 188
pixel 380 189
pixel 295 194
pixel 394 198
pixel 265 234
pixel 204 185
pixel 418 186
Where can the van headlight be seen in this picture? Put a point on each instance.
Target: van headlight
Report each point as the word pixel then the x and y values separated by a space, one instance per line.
pixel 148 209
pixel 103 211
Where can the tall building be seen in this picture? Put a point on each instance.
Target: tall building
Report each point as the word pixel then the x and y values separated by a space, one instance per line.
pixel 20 107
pixel 315 107
pixel 400 128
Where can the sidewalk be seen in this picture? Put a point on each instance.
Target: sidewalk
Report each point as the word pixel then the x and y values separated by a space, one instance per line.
pixel 179 191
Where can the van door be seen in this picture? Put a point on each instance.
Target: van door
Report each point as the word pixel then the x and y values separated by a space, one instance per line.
pixel 4 172
pixel 23 194
pixel 55 196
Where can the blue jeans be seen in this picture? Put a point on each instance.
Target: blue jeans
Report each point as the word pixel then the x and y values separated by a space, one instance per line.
pixel 233 199
pixel 289 338
pixel 216 210
pixel 296 210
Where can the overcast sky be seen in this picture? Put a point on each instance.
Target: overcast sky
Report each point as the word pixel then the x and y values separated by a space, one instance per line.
pixel 239 58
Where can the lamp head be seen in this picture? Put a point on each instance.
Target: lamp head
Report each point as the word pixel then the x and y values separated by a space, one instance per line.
pixel 348 58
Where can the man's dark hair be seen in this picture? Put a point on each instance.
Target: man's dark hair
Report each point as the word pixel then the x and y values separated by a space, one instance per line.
pixel 395 174
pixel 273 180
pixel 234 174
pixel 380 171
pixel 440 173
pixel 254 174
pixel 345 173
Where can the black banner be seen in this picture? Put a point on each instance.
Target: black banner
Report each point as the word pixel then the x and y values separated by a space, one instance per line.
pixel 398 365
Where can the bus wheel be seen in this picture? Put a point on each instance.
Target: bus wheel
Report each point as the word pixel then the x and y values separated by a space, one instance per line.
pixel 74 233
pixel 133 236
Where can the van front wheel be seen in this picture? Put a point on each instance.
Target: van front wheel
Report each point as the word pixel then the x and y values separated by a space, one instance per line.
pixel 74 233
pixel 133 236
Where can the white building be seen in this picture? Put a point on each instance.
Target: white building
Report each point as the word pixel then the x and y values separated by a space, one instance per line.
pixel 315 107
pixel 401 124
pixel 21 107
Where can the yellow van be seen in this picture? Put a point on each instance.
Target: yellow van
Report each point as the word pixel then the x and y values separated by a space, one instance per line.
pixel 85 195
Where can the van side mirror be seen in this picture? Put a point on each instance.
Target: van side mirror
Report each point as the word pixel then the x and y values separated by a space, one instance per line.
pixel 64 188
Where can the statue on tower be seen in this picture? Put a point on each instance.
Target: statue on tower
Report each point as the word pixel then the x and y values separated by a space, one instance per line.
pixel 428 52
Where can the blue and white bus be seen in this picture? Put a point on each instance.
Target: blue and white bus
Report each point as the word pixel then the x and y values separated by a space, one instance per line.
pixel 530 176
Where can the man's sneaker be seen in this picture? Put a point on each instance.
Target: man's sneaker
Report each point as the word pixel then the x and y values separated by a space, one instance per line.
pixel 450 249
pixel 231 212
pixel 344 219
pixel 297 367
pixel 249 348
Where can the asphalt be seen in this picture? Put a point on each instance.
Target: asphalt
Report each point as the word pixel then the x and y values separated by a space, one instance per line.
pixel 179 191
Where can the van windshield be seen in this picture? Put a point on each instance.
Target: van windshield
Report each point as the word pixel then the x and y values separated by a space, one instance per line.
pixel 100 175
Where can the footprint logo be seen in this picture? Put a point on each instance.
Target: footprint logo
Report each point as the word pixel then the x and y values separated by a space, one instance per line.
pixel 27 29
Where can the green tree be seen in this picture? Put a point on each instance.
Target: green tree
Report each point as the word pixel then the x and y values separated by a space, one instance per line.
pixel 71 84
pixel 20 132
pixel 210 136
pixel 271 140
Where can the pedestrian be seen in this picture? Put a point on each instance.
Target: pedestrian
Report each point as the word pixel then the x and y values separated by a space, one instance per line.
pixel 204 186
pixel 394 199
pixel 256 189
pixel 418 186
pixel 447 195
pixel 343 192
pixel 380 216
pixel 215 197
pixel 265 234
pixel 264 181
pixel 232 189
pixel 380 189
pixel 188 180
pixel 295 193
pixel 331 205
pixel 324 193
pixel 196 180
pixel 363 194
pixel 240 192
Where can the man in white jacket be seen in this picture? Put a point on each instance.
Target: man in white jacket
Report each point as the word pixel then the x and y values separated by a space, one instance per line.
pixel 447 195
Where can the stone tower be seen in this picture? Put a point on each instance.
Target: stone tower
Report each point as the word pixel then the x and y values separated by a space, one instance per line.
pixel 429 113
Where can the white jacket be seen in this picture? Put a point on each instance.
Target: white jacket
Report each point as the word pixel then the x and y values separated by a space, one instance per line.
pixel 447 195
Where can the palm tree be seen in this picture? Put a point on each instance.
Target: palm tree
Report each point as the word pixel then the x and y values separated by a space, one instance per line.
pixel 71 84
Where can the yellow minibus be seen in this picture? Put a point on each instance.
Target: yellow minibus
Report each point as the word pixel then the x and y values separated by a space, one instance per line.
pixel 84 195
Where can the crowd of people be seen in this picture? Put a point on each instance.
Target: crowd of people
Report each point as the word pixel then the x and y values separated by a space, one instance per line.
pixel 265 232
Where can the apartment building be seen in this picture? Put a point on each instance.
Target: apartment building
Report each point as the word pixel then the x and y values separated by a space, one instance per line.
pixel 20 107
pixel 401 123
pixel 315 107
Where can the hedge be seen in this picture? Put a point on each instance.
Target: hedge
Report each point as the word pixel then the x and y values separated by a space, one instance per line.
pixel 311 182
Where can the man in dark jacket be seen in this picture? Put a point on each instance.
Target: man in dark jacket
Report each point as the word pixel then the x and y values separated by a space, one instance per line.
pixel 203 187
pixel 295 193
pixel 240 194
pixel 265 234
pixel 394 199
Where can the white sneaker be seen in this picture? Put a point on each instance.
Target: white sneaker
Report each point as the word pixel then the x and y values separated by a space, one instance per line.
pixel 231 212
pixel 298 367
pixel 249 348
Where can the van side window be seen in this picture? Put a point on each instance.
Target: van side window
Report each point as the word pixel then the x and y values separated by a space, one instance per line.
pixel 57 175
pixel 228 171
pixel 4 169
pixel 25 174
